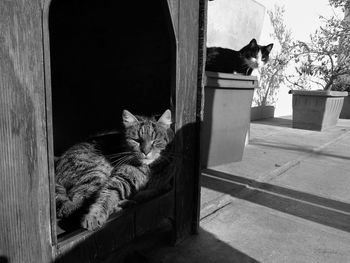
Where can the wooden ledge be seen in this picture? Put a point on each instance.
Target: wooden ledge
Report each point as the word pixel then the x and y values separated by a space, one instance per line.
pixel 121 228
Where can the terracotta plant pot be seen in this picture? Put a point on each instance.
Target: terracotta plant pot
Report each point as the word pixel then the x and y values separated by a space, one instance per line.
pixel 228 98
pixel 316 109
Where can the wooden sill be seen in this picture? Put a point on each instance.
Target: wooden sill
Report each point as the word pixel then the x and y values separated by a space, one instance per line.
pixel 122 226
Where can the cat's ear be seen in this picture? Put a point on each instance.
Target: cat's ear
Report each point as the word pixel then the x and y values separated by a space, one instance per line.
pixel 269 47
pixel 129 119
pixel 253 43
pixel 165 119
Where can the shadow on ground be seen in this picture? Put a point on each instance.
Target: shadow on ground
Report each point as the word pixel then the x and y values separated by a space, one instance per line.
pixel 280 122
pixel 314 208
pixel 204 247
pixel 298 148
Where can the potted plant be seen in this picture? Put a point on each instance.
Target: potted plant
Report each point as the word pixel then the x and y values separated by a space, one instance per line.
pixel 321 63
pixel 272 75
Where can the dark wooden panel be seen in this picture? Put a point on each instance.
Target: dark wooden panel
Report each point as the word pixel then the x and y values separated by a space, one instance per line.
pixel 186 121
pixel 151 214
pixel 24 192
pixel 119 231
pixel 202 40
pixel 94 246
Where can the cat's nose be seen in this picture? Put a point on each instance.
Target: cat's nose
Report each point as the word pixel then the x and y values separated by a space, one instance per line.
pixel 146 149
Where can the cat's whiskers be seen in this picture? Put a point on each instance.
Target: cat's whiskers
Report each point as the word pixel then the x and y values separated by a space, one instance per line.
pixel 122 160
pixel 118 154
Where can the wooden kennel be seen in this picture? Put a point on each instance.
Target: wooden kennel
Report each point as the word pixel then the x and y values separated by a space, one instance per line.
pixel 53 53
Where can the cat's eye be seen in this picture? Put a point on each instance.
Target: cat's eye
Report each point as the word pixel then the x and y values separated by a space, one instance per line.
pixel 136 141
pixel 158 144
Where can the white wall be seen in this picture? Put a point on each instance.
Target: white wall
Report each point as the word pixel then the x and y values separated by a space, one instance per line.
pixel 233 23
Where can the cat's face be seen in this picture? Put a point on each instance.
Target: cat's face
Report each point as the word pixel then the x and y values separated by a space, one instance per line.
pixel 146 137
pixel 256 56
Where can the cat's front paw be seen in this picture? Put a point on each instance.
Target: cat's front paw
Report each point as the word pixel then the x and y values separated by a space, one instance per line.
pixel 93 221
pixel 64 210
pixel 60 213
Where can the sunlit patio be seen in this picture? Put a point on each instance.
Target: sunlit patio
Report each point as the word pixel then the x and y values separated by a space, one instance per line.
pixel 288 200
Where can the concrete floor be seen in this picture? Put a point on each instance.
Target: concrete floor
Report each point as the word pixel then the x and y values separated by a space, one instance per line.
pixel 288 200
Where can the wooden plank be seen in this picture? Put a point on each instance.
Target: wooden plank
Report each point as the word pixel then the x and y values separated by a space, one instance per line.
pixel 151 214
pixel 93 246
pixel 186 121
pixel 145 243
pixel 49 126
pixel 24 193
pixel 202 40
pixel 120 230
pixel 202 50
pixel 83 251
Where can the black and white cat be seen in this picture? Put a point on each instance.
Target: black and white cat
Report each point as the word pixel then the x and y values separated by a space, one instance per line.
pixel 244 61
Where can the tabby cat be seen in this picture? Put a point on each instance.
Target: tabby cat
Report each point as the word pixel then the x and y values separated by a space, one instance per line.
pixel 87 178
pixel 226 60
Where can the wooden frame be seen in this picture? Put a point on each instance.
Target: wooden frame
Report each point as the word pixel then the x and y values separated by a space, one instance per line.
pixel 27 218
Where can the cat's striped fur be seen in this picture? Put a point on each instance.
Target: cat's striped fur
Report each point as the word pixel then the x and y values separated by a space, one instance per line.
pixel 86 178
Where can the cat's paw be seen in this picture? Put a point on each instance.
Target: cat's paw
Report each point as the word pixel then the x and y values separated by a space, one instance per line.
pixel 60 213
pixel 63 211
pixel 93 221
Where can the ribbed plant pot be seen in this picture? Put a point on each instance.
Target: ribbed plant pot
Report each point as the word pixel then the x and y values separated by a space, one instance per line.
pixel 316 109
pixel 228 98
pixel 345 112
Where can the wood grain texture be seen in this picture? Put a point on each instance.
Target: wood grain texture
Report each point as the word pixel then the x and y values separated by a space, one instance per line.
pixel 202 50
pixel 49 125
pixel 24 193
pixel 94 246
pixel 186 121
pixel 119 231
pixel 150 215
